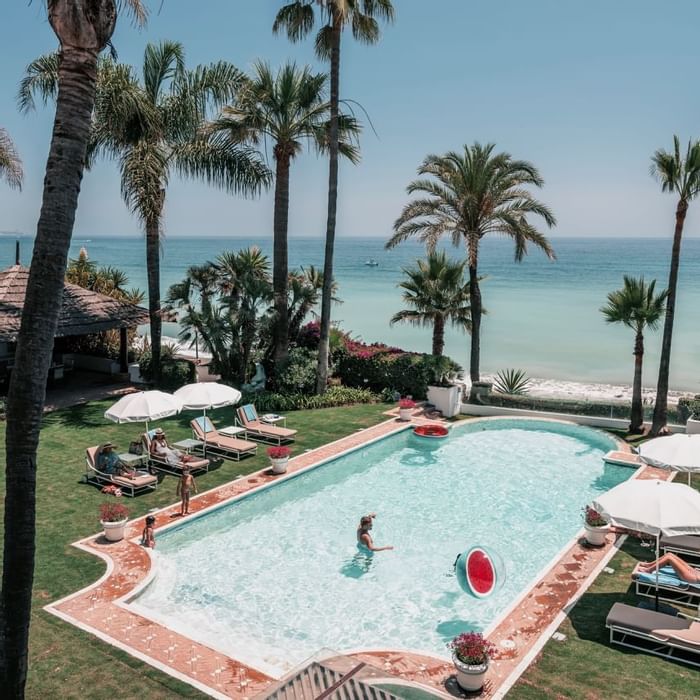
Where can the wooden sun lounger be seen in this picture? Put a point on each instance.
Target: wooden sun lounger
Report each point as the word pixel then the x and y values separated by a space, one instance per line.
pixel 130 486
pixel 220 445
pixel 687 546
pixel 670 637
pixel 623 459
pixel 155 462
pixel 247 417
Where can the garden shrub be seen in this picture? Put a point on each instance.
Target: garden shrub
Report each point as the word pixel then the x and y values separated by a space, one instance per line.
pixel 267 401
pixel 174 373
pixel 299 373
pixel 688 406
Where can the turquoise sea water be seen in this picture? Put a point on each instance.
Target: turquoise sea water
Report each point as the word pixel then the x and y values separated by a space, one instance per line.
pixel 543 316
pixel 276 576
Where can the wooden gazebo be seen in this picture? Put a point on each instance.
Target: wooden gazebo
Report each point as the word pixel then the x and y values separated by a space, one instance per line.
pixel 83 311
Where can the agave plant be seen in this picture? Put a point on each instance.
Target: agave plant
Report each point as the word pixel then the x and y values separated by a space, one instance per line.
pixel 512 381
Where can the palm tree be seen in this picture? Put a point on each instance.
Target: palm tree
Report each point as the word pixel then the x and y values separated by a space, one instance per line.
pixel 10 163
pixel 436 293
pixel 682 176
pixel 288 108
pixel 470 195
pixel 637 306
pixel 152 127
pixel 298 19
pixel 83 31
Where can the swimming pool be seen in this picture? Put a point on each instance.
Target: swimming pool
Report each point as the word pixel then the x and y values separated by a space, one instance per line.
pixel 273 577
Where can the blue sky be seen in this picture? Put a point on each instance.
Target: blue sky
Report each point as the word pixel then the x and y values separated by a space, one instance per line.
pixel 585 90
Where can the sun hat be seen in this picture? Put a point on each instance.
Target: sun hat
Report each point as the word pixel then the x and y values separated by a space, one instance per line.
pixel 108 445
pixel 158 431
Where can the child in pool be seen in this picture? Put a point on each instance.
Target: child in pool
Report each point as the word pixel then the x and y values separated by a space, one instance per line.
pixel 148 538
pixel 363 536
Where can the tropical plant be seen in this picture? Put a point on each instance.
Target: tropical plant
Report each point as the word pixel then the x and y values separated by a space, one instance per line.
pixel 637 306
pixel 288 108
pixel 10 163
pixel 437 294
pixel 679 175
pixel 472 649
pixel 468 196
pixel 152 127
pixel 514 382
pixel 297 19
pixel 83 31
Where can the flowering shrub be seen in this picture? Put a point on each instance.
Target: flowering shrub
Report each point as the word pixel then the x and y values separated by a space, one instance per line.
pixel 407 403
pixel 113 512
pixel 278 452
pixel 471 648
pixel 593 518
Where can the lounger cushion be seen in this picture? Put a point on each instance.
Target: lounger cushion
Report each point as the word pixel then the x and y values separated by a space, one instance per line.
pixel 690 543
pixel 230 443
pixel 265 429
pixel 690 636
pixel 643 620
pixel 136 481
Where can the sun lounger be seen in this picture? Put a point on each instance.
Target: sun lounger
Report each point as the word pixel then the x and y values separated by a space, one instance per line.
pixel 687 546
pixel 623 459
pixel 199 465
pixel 220 445
pixel 256 429
pixel 656 633
pixel 128 485
pixel 671 588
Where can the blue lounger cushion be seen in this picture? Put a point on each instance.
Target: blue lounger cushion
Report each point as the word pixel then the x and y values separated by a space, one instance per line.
pixel 667 577
pixel 205 424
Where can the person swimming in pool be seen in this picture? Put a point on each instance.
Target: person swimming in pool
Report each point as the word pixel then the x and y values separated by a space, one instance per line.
pixel 363 536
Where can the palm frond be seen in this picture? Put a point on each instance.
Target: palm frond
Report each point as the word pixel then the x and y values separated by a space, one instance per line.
pixel 296 18
pixel 40 80
pixel 162 63
pixel 10 162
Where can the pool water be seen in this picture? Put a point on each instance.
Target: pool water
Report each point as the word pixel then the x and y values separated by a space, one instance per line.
pixel 273 577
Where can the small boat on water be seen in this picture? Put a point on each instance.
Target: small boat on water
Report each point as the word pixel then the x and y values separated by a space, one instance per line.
pixel 371 262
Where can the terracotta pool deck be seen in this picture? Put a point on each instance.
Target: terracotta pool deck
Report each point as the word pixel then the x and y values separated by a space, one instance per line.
pixel 101 608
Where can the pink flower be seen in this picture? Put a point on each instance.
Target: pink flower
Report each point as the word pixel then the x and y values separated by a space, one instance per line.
pixel 278 452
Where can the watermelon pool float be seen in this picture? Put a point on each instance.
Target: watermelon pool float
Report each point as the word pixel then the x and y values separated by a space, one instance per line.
pixel 434 432
pixel 476 572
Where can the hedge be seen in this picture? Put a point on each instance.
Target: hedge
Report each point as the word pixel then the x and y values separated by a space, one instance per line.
pixel 266 401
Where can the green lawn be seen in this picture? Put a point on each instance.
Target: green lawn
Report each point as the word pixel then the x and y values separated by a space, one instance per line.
pixel 586 666
pixel 68 663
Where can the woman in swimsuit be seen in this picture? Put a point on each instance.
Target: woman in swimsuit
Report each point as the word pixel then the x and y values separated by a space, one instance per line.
pixel 683 570
pixel 363 536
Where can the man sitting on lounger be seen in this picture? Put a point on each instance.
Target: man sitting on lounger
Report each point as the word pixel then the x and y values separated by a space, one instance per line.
pixel 162 451
pixel 683 570
pixel 109 463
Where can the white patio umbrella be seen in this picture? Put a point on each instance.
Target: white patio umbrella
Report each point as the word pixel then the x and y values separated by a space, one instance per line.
pixel 143 406
pixel 654 507
pixel 680 452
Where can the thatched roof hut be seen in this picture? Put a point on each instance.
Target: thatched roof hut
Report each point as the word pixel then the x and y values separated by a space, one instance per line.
pixel 83 312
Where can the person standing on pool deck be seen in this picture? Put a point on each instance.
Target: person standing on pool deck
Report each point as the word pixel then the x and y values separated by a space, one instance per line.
pixel 184 486
pixel 363 536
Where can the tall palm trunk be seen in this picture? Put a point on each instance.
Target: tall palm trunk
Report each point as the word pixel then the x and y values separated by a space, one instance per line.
pixel 327 291
pixel 280 258
pixel 153 272
pixel 439 334
pixel 661 405
pixel 637 416
pixel 475 304
pixel 82 32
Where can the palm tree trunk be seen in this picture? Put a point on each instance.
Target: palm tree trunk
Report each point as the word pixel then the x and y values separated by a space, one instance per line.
pixel 153 272
pixel 327 291
pixel 42 305
pixel 280 270
pixel 637 417
pixel 439 334
pixel 661 406
pixel 475 303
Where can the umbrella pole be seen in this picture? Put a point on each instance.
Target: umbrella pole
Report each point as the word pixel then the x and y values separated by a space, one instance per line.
pixel 656 597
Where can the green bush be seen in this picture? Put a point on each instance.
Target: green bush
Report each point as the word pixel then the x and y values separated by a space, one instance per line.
pixel 267 401
pixel 688 407
pixel 174 373
pixel 298 376
pixel 407 373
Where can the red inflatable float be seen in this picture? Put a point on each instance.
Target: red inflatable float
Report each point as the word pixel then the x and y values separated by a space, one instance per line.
pixel 431 431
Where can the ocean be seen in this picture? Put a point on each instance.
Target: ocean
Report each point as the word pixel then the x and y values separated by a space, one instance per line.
pixel 543 316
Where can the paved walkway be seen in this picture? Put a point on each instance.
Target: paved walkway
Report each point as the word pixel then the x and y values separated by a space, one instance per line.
pixel 102 610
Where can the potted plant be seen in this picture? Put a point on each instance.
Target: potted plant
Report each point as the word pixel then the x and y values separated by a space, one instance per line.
pixel 692 425
pixel 113 517
pixel 279 456
pixel 470 655
pixel 443 393
pixel 405 408
pixel 595 525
